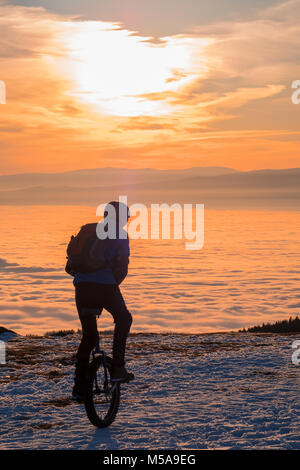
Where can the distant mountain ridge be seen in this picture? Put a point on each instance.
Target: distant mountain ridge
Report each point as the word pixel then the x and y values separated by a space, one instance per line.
pixel 107 175
pixel 217 187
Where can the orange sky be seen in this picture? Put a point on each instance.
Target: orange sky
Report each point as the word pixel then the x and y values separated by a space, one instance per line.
pixel 84 94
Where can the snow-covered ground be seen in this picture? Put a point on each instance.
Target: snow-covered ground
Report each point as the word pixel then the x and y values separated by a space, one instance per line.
pixel 212 391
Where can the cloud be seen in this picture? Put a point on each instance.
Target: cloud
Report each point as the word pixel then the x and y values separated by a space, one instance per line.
pixel 4 264
pixel 27 32
pixel 5 129
pixel 192 94
pixel 155 18
pixel 264 50
pixel 16 268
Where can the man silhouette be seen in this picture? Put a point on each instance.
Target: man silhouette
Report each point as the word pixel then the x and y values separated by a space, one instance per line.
pixel 100 289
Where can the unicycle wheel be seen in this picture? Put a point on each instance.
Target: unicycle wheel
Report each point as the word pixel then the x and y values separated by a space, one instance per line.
pixel 102 397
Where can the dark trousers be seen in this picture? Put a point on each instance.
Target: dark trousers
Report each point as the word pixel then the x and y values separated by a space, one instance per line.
pixel 91 298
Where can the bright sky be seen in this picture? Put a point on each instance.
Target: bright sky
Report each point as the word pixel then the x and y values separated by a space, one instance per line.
pixel 143 83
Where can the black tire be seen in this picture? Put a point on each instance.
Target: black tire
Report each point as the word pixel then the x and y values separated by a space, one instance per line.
pixel 93 404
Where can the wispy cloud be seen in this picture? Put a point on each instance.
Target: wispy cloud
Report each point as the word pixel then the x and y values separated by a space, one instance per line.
pixel 16 268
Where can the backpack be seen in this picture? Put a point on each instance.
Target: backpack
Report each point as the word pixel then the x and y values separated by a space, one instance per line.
pixel 85 251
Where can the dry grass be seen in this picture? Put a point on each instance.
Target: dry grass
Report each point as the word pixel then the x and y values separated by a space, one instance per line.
pixel 62 333
pixel 46 425
pixel 185 348
pixel 54 374
pixel 58 402
pixel 6 379
pixel 26 354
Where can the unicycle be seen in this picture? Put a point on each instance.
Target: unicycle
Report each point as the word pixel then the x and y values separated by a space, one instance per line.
pixel 102 396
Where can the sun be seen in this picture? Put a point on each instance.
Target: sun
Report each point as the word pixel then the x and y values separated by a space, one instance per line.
pixel 120 73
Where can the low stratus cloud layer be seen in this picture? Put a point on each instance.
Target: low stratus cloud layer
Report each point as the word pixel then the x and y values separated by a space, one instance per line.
pixel 246 273
pixel 91 93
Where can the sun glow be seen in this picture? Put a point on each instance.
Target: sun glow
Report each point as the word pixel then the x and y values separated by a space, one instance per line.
pixel 122 74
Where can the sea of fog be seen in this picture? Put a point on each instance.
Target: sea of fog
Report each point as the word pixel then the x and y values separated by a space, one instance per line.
pixel 247 273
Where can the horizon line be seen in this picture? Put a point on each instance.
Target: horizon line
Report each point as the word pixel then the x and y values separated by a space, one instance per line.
pixel 146 169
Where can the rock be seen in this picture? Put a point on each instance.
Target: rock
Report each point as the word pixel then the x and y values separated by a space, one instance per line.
pixel 6 335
